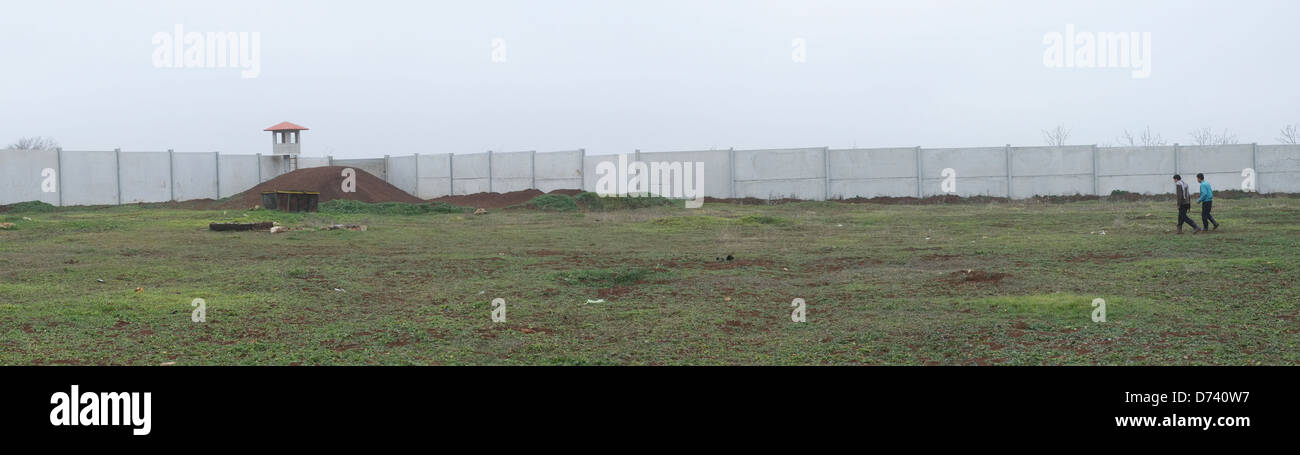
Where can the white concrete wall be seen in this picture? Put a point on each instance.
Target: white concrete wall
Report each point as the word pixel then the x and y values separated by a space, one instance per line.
pixel 273 166
pixel 375 166
pixel 1042 171
pixel 305 162
pixel 981 171
pixel 717 168
pixel 512 171
pixel 146 177
pixel 195 176
pixel 779 173
pixel 90 178
pixel 402 172
pixel 1277 168
pixel 559 170
pixel 873 172
pixel 238 173
pixel 20 176
pixel 434 176
pixel 1144 170
pixel 1221 164
pixel 470 174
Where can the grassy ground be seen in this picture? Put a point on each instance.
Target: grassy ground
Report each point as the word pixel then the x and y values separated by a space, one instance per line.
pixel 1000 283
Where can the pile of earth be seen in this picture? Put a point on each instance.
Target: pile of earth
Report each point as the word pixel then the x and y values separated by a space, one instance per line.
pixel 497 200
pixel 328 181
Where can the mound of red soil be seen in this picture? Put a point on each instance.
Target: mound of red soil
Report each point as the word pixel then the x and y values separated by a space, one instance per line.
pixel 497 200
pixel 328 181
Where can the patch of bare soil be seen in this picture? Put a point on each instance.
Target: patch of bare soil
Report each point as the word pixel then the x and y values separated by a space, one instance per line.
pixel 976 276
pixel 723 265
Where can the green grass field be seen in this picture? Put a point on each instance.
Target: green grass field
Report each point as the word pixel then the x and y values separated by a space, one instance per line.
pixel 954 284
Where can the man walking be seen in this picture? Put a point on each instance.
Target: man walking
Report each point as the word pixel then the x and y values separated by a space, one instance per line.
pixel 1207 203
pixel 1184 204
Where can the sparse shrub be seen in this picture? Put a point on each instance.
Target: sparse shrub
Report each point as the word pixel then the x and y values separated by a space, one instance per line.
pixel 763 219
pixel 30 206
pixel 553 203
pixel 345 206
pixel 590 200
pixel 593 201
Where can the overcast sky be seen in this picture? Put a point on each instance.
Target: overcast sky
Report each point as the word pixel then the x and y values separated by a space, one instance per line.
pixel 376 77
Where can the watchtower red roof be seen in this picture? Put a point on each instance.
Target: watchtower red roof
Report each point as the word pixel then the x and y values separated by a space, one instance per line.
pixel 286 126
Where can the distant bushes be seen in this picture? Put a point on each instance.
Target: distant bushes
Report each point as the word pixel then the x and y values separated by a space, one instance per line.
pixel 344 206
pixel 553 203
pixel 593 201
pixel 763 219
pixel 29 206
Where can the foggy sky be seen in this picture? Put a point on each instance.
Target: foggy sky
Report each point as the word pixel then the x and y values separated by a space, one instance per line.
pixel 376 77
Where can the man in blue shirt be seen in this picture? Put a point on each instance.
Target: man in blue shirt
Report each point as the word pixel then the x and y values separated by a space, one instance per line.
pixel 1207 203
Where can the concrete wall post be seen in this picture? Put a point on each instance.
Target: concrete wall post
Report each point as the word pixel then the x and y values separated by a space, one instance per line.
pixel 217 157
pixel 920 176
pixel 826 173
pixel 1007 153
pixel 117 165
pixel 58 173
pixel 171 173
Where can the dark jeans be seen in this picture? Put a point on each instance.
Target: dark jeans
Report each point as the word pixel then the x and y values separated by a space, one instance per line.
pixel 1206 217
pixel 1183 218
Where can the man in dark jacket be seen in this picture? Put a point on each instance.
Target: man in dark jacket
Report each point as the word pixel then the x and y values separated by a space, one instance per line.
pixel 1184 204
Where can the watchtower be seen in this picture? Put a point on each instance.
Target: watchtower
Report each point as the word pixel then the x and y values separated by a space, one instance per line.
pixel 286 141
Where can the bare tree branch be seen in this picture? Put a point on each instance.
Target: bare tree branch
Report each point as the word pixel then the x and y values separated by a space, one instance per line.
pixel 1290 134
pixel 1057 136
pixel 1206 136
pixel 34 143
pixel 1126 139
pixel 1150 139
pixel 1202 136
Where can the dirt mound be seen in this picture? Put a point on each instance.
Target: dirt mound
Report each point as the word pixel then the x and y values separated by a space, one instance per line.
pixel 497 200
pixel 329 182
pixel 976 276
